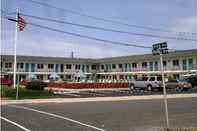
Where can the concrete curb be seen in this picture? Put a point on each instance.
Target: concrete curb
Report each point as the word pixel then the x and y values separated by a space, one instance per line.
pixel 96 99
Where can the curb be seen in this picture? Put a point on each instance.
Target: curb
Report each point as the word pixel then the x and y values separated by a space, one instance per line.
pixel 96 99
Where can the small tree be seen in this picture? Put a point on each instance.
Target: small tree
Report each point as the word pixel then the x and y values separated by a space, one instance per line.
pixel 36 85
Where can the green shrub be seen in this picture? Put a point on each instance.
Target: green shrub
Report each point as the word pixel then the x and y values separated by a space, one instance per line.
pixel 36 85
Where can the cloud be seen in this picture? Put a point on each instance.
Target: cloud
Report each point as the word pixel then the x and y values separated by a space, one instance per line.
pixel 42 45
pixel 187 24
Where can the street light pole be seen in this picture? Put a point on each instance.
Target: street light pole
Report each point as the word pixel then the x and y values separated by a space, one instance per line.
pixel 164 91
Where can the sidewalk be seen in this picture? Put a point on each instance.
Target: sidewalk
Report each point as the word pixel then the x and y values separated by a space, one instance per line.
pixel 71 100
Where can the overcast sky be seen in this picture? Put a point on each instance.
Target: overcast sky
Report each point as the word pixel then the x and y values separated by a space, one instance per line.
pixel 176 15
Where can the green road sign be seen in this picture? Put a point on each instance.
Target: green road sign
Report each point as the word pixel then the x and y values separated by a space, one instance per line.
pixel 160 48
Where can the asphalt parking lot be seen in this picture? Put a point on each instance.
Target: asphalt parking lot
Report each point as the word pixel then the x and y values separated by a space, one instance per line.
pixel 128 115
pixel 114 93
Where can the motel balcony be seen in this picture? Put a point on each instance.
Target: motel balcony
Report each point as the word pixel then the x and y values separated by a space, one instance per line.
pixel 7 69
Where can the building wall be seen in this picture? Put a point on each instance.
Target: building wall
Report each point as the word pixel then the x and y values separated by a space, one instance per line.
pixel 111 68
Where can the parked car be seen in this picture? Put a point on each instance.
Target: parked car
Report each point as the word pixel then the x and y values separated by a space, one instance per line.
pixel 146 83
pixel 178 84
pixel 193 80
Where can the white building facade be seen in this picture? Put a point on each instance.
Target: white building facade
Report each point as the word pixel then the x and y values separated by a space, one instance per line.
pixel 116 68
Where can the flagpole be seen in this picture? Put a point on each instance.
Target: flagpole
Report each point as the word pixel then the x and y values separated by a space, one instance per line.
pixel 15 44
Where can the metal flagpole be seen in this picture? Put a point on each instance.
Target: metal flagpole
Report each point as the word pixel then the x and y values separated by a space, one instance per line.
pixel 164 91
pixel 15 43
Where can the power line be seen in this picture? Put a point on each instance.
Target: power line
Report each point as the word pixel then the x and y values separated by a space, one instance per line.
pixel 107 29
pixel 84 36
pixel 107 20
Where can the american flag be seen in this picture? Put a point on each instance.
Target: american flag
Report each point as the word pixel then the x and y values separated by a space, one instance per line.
pixel 21 23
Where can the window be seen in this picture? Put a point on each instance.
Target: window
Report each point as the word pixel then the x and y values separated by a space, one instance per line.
pixel 68 77
pixel 83 68
pixel 113 66
pixel 56 67
pixel 184 64
pixel 87 68
pixel 32 67
pixel 20 65
pixel 173 80
pixel 190 61
pixel 27 67
pixel 62 68
pixel 50 66
pixel 68 66
pixel 1 64
pixel 77 67
pixel 152 79
pixel 164 63
pixel 40 66
pixel 144 65
pixel 119 65
pixel 175 62
pixel 141 79
pixel 156 66
pixel 159 78
pixel 125 68
pixel 134 65
pixel 93 67
pixel 151 66
pixel 8 65
pixel 102 67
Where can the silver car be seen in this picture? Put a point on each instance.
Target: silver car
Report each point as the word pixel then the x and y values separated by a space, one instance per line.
pixel 146 83
pixel 178 85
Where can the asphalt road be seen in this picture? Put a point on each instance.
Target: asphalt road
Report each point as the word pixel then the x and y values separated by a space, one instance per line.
pixel 114 93
pixel 134 115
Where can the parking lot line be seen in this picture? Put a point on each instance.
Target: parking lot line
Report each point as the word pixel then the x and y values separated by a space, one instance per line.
pixel 57 116
pixel 14 123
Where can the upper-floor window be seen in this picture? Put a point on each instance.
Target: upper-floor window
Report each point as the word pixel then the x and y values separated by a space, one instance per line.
pixel 93 67
pixel 62 68
pixel 113 66
pixel 40 66
pixel 120 66
pixel 134 65
pixel 102 67
pixel 8 65
pixel 77 67
pixel 175 62
pixel 68 66
pixel 20 65
pixel 50 66
pixel 164 63
pixel 144 65
pixel 190 62
pixel 1 64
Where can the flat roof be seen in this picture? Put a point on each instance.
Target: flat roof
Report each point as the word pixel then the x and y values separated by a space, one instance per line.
pixel 179 53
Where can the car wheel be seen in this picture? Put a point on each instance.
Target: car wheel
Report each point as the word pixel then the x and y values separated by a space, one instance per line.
pixel 149 88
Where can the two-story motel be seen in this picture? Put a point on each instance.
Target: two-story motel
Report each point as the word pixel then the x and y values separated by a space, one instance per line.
pixel 115 68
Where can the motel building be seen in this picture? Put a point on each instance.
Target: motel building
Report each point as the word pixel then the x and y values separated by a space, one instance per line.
pixel 121 68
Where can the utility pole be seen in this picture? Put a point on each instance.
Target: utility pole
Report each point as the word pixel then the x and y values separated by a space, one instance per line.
pixel 72 54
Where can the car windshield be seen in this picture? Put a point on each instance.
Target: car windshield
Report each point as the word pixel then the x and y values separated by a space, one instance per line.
pixel 183 80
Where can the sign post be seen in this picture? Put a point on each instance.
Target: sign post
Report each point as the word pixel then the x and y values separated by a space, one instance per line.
pixel 160 49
